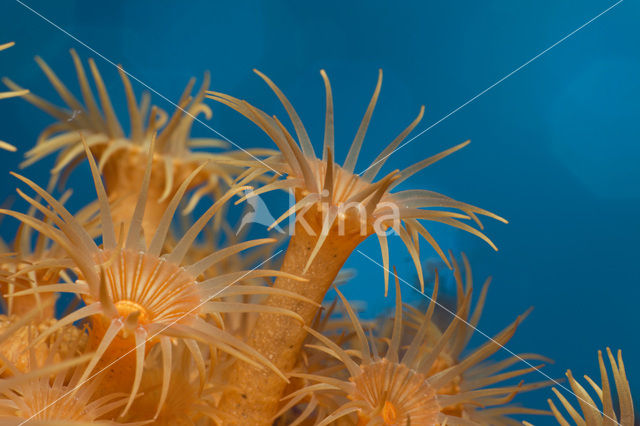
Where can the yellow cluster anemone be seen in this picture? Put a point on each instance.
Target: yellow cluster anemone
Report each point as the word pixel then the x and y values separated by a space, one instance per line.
pixel 55 399
pixel 336 209
pixel 97 122
pixel 34 377
pixel 136 296
pixel 119 155
pixel 421 380
pixel 332 201
pixel 188 319
pixel 456 345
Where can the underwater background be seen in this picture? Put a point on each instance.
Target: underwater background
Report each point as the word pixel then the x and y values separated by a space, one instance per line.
pixel 555 146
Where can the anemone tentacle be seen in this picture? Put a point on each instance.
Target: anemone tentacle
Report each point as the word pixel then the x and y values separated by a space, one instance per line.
pixel 11 94
pixel 33 260
pixel 592 415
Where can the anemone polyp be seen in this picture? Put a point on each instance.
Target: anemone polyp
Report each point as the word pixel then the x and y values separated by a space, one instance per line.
pixel 96 121
pixel 59 398
pixel 416 381
pixel 137 296
pixel 321 180
pixel 394 394
pixel 41 401
pixel 336 209
pixel 158 290
pixel 119 154
pixel 43 376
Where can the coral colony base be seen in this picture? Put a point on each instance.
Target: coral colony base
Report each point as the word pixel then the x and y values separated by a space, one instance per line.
pixel 176 319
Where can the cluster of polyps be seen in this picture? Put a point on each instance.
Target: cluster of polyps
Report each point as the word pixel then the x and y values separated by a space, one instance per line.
pixel 171 329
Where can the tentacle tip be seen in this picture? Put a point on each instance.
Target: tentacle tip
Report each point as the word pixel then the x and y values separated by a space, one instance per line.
pixel 503 220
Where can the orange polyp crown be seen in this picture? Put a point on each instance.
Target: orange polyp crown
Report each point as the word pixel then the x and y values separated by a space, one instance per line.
pixel 127 307
pixel 389 413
